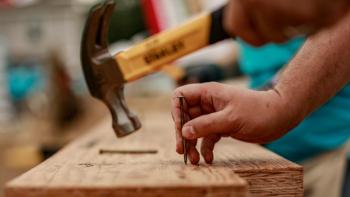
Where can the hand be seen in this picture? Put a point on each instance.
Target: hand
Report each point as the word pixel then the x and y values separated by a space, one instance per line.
pixel 260 21
pixel 215 110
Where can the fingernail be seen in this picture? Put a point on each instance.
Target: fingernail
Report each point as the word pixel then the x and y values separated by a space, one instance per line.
pixel 188 132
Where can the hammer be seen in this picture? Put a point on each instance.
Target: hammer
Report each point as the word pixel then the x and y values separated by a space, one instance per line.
pixel 106 74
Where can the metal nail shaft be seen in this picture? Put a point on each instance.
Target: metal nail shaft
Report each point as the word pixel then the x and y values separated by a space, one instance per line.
pixel 182 120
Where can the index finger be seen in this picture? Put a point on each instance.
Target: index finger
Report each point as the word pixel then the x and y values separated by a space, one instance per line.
pixel 192 94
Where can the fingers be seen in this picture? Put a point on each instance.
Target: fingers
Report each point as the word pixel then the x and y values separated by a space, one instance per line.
pixel 193 153
pixel 213 123
pixel 192 108
pixel 176 115
pixel 192 95
pixel 179 144
pixel 207 147
pixel 197 101
pixel 178 132
pixel 189 113
pixel 194 112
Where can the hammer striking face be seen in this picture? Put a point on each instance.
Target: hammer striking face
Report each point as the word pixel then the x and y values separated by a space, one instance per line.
pixel 106 74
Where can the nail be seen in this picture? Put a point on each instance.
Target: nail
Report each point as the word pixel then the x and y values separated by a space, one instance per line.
pixel 188 132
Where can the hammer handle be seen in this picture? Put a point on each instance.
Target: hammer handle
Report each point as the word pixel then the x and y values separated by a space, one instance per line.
pixel 158 50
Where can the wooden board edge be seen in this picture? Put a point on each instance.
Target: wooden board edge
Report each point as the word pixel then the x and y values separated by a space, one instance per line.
pixel 129 192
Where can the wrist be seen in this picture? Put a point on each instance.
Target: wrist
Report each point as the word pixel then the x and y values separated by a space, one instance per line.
pixel 288 111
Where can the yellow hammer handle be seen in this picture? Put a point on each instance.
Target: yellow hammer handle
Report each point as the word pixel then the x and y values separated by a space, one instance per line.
pixel 160 49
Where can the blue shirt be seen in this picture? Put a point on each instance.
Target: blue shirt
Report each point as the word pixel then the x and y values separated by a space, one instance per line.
pixel 325 129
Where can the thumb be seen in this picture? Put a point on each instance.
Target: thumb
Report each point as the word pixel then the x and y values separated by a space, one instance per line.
pixel 204 125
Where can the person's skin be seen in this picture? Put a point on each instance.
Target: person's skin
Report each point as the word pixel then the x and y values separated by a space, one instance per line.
pixel 260 21
pixel 318 71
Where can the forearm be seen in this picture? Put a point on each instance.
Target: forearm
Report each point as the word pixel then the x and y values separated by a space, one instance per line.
pixel 318 71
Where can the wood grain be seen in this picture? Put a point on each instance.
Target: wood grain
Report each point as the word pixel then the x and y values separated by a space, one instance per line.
pixel 79 169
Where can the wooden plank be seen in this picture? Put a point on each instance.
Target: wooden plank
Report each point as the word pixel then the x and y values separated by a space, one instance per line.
pixel 79 169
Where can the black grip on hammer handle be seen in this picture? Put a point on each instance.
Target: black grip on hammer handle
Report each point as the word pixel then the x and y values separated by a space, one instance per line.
pixel 217 30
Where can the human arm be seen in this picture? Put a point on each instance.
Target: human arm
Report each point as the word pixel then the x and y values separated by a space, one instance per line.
pixel 319 70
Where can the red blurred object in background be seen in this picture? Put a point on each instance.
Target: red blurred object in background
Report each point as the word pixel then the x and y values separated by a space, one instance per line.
pixel 5 3
pixel 152 15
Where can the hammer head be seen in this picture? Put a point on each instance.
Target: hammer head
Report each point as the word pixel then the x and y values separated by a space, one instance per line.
pixel 102 73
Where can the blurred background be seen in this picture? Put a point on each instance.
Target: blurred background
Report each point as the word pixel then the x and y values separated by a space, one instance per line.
pixel 44 102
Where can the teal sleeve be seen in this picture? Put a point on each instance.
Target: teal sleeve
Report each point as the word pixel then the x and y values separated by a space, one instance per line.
pixel 262 63
pixel 326 129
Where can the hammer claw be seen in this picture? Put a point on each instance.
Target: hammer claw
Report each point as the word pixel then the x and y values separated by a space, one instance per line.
pixel 105 19
pixel 90 31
